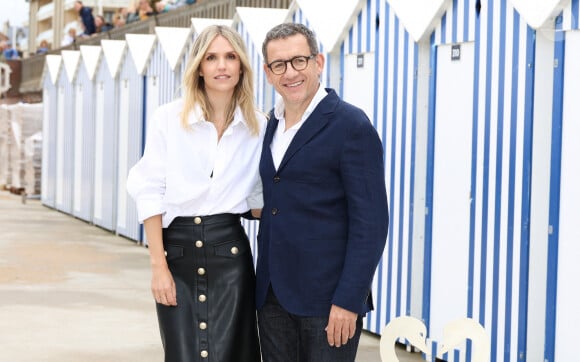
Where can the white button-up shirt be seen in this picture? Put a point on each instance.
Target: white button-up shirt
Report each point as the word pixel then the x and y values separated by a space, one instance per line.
pixel 282 136
pixel 189 172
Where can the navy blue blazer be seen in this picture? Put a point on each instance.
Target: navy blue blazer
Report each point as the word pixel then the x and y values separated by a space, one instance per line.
pixel 325 218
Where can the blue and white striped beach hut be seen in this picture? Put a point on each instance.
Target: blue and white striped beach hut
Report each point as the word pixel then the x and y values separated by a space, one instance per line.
pixel 107 133
pixel 131 119
pixel 52 68
pixel 84 131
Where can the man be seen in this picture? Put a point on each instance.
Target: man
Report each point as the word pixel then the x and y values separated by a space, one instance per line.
pixel 325 218
pixel 87 18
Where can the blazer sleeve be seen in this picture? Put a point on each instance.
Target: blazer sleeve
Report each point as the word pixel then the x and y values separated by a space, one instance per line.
pixel 362 172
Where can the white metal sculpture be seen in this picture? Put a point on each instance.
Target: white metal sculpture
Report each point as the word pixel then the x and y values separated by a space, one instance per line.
pixel 410 328
pixel 454 335
pixel 456 332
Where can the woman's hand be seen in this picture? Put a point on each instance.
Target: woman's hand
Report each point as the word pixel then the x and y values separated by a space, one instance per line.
pixel 163 286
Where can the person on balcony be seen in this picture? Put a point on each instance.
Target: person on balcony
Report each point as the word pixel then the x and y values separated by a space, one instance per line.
pixel 43 48
pixel 101 25
pixel 87 18
pixel 10 53
pixel 69 37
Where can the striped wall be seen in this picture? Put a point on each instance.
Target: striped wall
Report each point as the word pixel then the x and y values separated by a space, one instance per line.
pixel 571 16
pixel 500 176
pixel 64 143
pixel 130 123
pixel 561 310
pixel 106 135
pixel 84 151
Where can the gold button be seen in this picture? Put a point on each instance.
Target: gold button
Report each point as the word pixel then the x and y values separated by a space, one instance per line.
pixel 202 298
pixel 203 326
pixel 199 243
pixel 234 250
pixel 197 220
pixel 204 354
pixel 201 271
pixel 165 252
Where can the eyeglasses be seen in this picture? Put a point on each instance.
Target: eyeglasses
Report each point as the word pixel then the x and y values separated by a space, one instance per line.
pixel 299 62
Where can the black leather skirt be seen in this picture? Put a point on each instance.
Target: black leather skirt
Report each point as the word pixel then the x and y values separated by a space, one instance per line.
pixel 215 317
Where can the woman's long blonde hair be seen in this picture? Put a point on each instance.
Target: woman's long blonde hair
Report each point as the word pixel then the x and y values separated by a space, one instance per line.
pixel 194 86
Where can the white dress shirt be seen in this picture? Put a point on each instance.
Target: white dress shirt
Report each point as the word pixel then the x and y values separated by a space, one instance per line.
pixel 189 172
pixel 282 137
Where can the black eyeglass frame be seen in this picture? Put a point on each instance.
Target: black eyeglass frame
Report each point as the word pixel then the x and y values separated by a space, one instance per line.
pixel 291 61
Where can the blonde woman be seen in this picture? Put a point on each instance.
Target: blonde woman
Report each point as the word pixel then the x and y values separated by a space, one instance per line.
pixel 199 172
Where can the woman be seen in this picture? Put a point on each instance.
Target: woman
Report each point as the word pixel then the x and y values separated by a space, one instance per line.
pixel 199 172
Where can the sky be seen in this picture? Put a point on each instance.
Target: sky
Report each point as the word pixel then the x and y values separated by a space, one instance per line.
pixel 16 11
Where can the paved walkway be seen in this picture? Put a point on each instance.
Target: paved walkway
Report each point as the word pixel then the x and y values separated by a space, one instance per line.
pixel 70 291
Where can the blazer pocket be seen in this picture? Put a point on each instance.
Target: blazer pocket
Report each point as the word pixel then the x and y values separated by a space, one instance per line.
pixel 231 249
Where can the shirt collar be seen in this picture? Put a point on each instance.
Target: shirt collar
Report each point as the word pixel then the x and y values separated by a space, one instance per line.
pixel 196 116
pixel 320 94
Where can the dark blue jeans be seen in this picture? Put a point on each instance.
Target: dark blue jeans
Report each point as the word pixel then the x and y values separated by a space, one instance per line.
pixel 286 337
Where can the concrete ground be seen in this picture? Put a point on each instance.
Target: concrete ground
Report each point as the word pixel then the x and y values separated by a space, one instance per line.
pixel 70 291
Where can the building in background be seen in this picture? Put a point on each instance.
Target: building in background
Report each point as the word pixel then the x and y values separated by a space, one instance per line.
pixel 51 20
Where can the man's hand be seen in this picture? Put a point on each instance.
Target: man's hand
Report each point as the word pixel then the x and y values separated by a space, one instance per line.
pixel 341 326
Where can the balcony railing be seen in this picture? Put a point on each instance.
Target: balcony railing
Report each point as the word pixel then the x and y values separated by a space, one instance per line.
pixel 33 66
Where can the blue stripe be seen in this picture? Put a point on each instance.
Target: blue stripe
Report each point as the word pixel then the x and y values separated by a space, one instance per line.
pixel 429 188
pixel 575 13
pixel 526 192
pixel 475 202
pixel 351 30
pixel 402 203
pixel 465 15
pixel 511 187
pixel 359 31
pixel 444 29
pixel 485 195
pixel 498 181
pixel 393 163
pixel 454 22
pixel 554 212
pixel 412 178
pixel 368 26
pixel 378 59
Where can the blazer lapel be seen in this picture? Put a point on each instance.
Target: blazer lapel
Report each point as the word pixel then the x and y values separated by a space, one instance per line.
pixel 272 125
pixel 313 124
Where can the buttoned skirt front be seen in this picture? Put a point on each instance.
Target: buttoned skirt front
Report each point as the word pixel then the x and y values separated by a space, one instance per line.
pixel 215 317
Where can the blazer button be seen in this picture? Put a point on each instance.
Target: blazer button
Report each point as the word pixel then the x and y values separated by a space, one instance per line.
pixel 274 211
pixel 276 179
